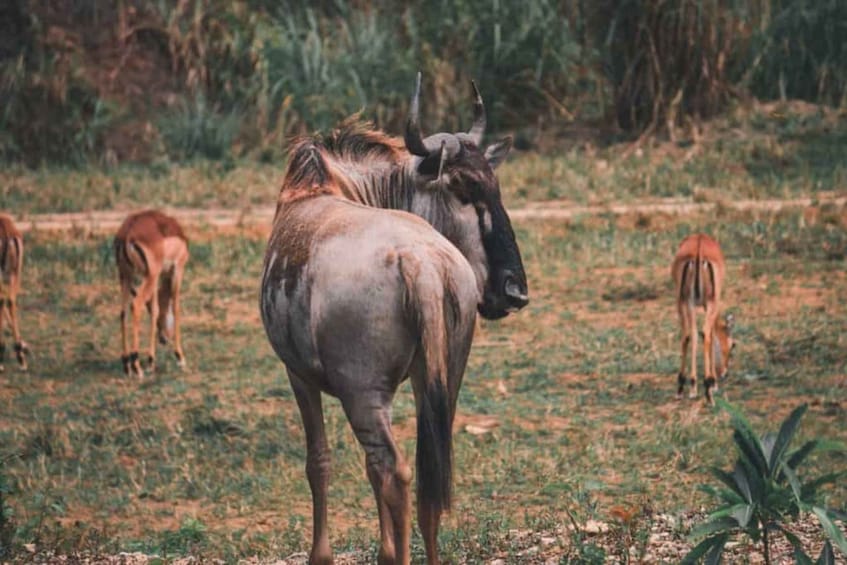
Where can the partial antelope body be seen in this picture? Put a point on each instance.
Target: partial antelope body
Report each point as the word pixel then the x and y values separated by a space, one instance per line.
pixel 698 271
pixel 152 248
pixel 380 255
pixel 11 264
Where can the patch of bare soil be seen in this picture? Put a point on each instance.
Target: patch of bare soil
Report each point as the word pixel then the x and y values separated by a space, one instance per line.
pixel 258 220
pixel 620 541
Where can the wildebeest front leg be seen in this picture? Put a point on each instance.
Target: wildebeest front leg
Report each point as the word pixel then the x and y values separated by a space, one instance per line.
pixel 388 473
pixel 317 465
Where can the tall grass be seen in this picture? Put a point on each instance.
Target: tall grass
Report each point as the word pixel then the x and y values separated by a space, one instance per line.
pixel 251 73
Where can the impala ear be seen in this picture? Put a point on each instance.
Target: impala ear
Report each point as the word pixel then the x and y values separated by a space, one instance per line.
pixel 497 151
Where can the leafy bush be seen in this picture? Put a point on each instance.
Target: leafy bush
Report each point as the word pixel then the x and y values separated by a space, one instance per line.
pixel 763 490
pixel 50 113
pixel 196 129
pixel 666 60
pixel 802 52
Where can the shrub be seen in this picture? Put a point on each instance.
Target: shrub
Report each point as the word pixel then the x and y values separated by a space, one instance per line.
pixel 764 490
pixel 802 52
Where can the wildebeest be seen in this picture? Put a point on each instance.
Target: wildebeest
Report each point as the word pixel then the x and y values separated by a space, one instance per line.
pixel 382 251
pixel 698 272
pixel 152 247
pixel 11 264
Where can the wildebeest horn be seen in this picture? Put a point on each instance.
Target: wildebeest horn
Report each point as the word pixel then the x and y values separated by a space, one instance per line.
pixel 478 128
pixel 413 137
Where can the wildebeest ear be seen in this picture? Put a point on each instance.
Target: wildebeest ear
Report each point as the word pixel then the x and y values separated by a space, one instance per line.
pixel 428 166
pixel 496 152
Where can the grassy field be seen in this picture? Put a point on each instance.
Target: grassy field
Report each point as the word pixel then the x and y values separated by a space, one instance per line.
pixel 577 393
pixel 769 151
pixel 568 409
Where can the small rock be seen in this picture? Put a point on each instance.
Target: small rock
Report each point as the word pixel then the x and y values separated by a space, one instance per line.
pixel 595 527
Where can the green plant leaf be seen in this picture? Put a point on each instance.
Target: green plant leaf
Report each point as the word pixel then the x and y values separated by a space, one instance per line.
pixel 719 524
pixel 809 489
pixel 742 514
pixel 827 557
pixel 796 488
pixel 704 547
pixel 801 558
pixel 750 449
pixel 745 438
pixel 725 495
pixel 795 543
pixel 786 434
pixel 741 478
pixel 714 555
pixel 832 531
pixel 768 441
pixel 728 480
pixel 799 455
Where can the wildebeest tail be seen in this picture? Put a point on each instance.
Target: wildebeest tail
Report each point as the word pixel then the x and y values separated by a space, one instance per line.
pixel 429 302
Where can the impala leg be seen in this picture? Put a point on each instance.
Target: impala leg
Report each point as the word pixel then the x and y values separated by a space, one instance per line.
pixel 176 283
pixel 154 316
pixel 692 338
pixel 21 348
pixel 317 465
pixel 126 307
pixel 685 339
pixel 389 475
pixel 710 381
pixel 142 297
pixel 2 342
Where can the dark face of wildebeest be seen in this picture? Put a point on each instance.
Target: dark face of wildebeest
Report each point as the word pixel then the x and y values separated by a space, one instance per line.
pixel 457 163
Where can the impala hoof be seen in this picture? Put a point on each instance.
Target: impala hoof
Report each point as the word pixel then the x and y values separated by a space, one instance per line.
pixel 180 360
pixel 21 351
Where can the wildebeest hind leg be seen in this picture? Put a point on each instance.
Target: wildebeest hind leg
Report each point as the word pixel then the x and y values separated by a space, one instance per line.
pixel 317 465
pixel 388 473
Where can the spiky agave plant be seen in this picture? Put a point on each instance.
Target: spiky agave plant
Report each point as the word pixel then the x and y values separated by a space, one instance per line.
pixel 763 490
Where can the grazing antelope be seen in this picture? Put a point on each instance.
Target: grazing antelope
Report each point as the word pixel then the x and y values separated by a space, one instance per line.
pixel 382 251
pixel 152 248
pixel 11 263
pixel 698 271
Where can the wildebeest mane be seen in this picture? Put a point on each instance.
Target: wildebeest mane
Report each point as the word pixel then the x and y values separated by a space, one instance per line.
pixel 354 141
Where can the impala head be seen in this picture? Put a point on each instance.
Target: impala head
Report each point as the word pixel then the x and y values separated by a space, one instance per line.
pixel 455 168
pixel 723 344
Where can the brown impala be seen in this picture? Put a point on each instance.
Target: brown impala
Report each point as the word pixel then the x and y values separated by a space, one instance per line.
pixel 11 263
pixel 151 247
pixel 698 271
pixel 382 252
